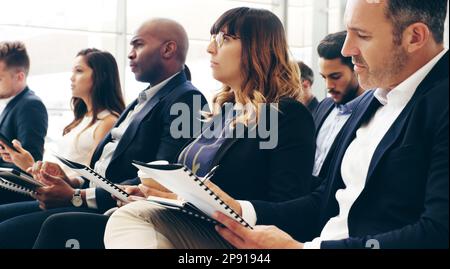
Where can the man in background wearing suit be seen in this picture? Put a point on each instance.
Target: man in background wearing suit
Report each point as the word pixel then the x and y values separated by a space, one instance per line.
pixel 142 133
pixel 23 116
pixel 333 112
pixel 388 182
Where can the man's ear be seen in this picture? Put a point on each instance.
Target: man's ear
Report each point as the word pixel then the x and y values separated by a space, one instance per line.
pixel 169 49
pixel 21 77
pixel 416 36
pixel 18 75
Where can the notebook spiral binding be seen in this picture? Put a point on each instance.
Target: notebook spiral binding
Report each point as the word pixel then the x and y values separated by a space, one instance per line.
pixel 107 182
pixel 199 216
pixel 16 188
pixel 217 198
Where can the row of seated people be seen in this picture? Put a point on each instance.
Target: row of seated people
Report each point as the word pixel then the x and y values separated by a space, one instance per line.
pixel 363 177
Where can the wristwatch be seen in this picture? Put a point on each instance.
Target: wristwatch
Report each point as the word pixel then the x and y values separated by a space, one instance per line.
pixel 77 201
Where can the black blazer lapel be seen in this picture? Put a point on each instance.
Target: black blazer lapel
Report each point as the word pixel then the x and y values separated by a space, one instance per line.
pixel 390 137
pixel 238 133
pixel 124 115
pixel 323 113
pixel 99 150
pixel 12 103
pixel 131 131
pixel 437 73
pixel 361 114
pixel 223 150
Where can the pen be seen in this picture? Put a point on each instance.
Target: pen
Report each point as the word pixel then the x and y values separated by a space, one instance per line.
pixel 210 174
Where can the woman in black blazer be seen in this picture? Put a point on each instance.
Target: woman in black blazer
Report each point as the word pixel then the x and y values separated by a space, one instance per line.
pixel 272 169
pixel 249 55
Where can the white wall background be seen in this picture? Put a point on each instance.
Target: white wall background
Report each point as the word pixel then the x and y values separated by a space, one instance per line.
pixel 54 31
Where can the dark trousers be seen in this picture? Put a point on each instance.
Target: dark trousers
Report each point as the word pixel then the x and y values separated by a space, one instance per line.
pixel 20 223
pixel 9 211
pixel 72 230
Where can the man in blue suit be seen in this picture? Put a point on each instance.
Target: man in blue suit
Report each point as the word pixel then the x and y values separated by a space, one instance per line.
pixel 142 133
pixel 333 112
pixel 388 184
pixel 23 116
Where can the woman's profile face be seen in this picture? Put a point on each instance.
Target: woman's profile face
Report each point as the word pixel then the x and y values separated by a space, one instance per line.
pixel 81 78
pixel 226 53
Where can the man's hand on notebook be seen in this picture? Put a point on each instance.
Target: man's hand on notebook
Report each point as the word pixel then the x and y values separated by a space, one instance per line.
pixel 261 237
pixel 57 193
pixel 141 192
pixel 40 168
pixel 132 190
pixel 225 197
pixel 151 183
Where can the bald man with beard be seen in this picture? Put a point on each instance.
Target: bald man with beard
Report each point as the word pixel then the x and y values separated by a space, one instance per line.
pixel 158 54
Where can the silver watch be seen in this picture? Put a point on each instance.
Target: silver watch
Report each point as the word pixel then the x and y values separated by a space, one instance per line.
pixel 77 201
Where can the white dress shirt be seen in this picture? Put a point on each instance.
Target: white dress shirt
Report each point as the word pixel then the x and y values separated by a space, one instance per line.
pixel 117 133
pixel 356 161
pixel 4 103
pixel 329 130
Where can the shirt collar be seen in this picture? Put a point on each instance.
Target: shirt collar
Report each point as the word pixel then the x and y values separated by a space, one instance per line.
pixel 402 94
pixel 4 102
pixel 347 109
pixel 152 90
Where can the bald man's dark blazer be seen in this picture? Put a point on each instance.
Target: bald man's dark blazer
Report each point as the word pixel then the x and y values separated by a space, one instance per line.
pixel 148 137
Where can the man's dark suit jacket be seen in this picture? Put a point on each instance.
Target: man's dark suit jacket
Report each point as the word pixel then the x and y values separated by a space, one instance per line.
pixel 148 136
pixel 322 111
pixel 320 114
pixel 25 119
pixel 405 200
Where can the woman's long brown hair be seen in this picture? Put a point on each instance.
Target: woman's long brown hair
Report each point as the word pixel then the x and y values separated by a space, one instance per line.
pixel 269 73
pixel 106 93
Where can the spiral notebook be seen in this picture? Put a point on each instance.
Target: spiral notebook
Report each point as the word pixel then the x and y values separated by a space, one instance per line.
pixel 89 174
pixel 179 205
pixel 18 181
pixel 10 186
pixel 200 201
